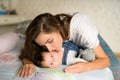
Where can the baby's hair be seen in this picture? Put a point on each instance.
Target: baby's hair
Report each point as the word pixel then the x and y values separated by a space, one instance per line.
pixel 38 58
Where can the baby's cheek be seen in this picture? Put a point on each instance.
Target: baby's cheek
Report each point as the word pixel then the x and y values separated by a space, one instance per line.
pixel 56 64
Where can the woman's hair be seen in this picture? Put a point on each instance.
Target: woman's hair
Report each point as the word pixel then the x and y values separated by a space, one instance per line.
pixel 64 20
pixel 44 23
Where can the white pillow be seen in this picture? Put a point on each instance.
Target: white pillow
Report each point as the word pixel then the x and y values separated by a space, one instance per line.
pixel 8 41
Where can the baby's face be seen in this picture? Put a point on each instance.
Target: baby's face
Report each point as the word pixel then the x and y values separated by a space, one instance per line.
pixel 50 60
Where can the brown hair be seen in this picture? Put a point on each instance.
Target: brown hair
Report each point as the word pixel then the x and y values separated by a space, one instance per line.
pixel 46 23
pixel 64 20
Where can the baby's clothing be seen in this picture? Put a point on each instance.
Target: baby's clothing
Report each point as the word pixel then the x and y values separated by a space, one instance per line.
pixel 72 54
pixel 87 54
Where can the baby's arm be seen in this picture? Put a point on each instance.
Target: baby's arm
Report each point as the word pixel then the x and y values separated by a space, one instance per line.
pixel 71 58
pixel 87 54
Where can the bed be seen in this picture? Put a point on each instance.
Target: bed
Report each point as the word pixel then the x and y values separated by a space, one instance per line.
pixel 10 64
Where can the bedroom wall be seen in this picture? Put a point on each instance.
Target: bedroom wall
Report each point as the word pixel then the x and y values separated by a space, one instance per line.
pixel 105 14
pixel 7 28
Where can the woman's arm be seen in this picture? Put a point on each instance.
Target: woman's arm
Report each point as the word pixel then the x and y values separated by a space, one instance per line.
pixel 27 69
pixel 101 61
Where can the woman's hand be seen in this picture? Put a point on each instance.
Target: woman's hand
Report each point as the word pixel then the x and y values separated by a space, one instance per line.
pixel 27 69
pixel 78 67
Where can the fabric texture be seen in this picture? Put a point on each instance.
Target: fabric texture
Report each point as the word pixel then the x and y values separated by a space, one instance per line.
pixel 8 41
pixel 116 70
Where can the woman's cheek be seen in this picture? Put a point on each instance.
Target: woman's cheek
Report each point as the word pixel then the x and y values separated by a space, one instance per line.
pixel 58 47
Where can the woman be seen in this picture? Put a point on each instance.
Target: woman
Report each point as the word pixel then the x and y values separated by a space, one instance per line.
pixel 47 31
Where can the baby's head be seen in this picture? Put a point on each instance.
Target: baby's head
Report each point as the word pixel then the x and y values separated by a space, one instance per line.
pixel 47 59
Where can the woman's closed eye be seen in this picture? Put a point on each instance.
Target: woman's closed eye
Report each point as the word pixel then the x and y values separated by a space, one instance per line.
pixel 50 41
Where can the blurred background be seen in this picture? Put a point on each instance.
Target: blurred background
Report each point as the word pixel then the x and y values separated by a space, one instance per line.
pixel 105 14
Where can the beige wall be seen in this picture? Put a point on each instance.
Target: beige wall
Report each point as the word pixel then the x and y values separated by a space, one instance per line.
pixel 105 14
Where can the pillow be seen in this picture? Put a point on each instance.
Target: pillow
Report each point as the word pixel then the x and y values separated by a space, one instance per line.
pixel 8 41
pixel 108 51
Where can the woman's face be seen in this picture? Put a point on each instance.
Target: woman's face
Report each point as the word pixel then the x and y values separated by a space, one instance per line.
pixel 52 41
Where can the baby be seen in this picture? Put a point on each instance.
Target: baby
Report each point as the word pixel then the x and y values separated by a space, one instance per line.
pixel 71 55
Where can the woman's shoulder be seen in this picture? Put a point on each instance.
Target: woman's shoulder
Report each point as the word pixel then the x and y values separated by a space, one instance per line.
pixel 78 21
pixel 78 18
pixel 81 21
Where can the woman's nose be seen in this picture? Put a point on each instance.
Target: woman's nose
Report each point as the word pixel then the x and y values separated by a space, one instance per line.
pixel 49 47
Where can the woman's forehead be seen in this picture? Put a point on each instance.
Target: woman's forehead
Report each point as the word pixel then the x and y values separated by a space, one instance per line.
pixel 42 38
